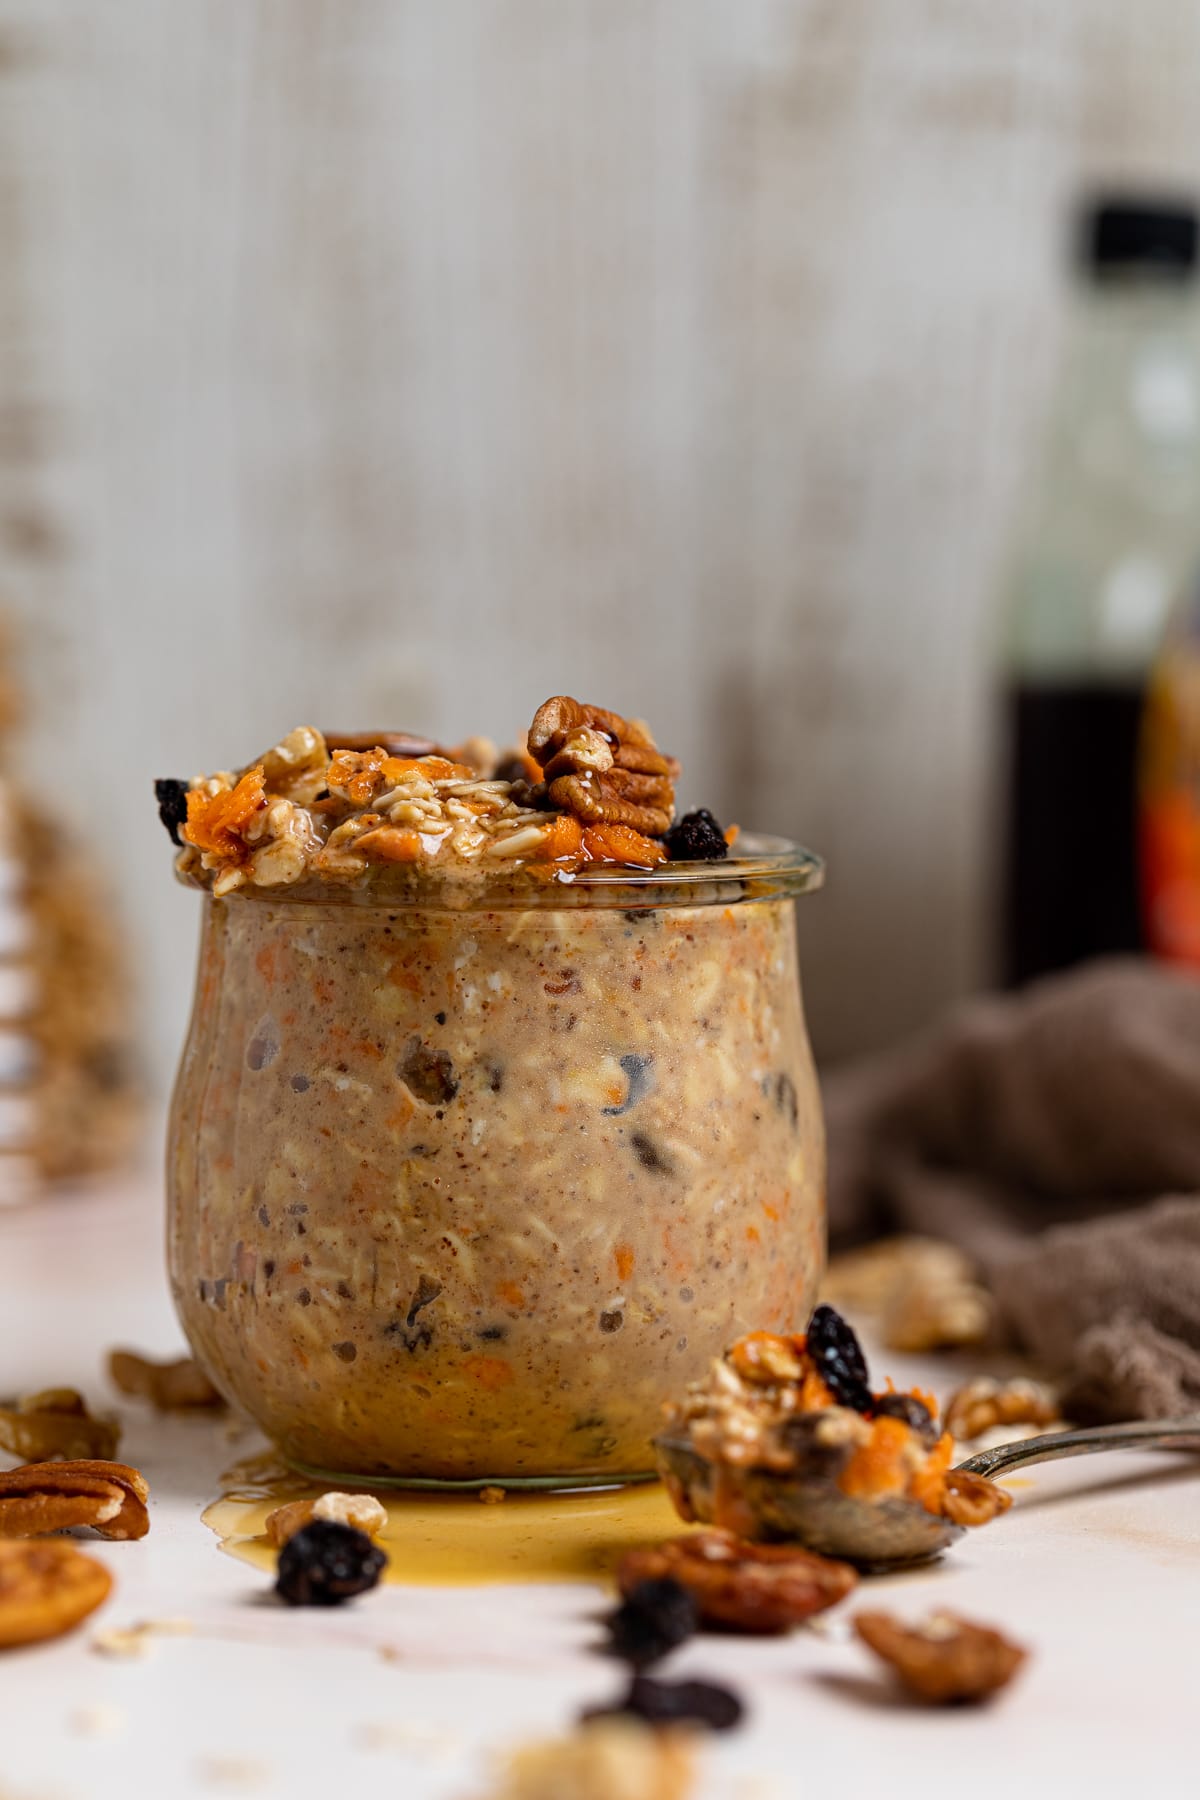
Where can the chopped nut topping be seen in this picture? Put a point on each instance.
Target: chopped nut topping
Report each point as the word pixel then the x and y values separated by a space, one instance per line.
pixel 54 1423
pixel 47 1589
pixel 742 1586
pixel 983 1404
pixel 947 1659
pixel 40 1498
pixel 607 1759
pixel 179 1386
pixel 761 1357
pixel 339 809
pixel 604 769
pixel 362 1511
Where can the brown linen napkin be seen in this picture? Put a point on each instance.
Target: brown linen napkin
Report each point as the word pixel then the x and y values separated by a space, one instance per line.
pixel 1054 1135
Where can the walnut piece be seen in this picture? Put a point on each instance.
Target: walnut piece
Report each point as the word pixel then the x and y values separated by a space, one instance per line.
pixel 606 1759
pixel 742 1586
pixel 56 1496
pixel 923 1291
pixel 983 1404
pixel 971 1500
pixel 362 1511
pixel 178 1386
pixel 55 1422
pixel 46 1589
pixel 946 1659
pixel 603 769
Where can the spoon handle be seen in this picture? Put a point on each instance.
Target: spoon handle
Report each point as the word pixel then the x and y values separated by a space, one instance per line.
pixel 1141 1434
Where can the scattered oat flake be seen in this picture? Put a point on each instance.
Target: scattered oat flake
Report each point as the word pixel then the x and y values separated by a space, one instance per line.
pixel 128 1641
pixel 607 1759
pixel 98 1720
pixel 233 1771
pixel 409 1736
pixel 134 1640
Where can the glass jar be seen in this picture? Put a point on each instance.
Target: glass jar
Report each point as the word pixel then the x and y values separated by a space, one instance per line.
pixel 461 1192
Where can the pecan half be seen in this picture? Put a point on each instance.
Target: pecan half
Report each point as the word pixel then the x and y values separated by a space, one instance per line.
pixel 604 769
pixel 46 1589
pixel 946 1659
pixel 361 1511
pixel 394 743
pixel 742 1586
pixel 57 1496
pixel 54 1423
pixel 178 1386
pixel 984 1403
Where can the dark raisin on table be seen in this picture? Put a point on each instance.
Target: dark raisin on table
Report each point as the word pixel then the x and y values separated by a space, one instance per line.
pixel 840 1362
pixel 676 1703
pixel 326 1563
pixel 696 838
pixel 652 1620
pixel 172 806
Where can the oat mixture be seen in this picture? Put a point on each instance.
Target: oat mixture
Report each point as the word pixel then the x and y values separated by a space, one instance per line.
pixel 462 1185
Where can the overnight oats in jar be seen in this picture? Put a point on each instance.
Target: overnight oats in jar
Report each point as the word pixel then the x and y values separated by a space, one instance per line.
pixel 497 1119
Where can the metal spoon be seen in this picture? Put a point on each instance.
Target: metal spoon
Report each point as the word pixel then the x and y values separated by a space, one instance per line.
pixel 812 1510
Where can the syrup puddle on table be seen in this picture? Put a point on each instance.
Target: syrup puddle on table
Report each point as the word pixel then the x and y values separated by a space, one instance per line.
pixel 458 1540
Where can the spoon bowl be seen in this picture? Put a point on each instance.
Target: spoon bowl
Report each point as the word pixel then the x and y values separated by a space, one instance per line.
pixel 890 1533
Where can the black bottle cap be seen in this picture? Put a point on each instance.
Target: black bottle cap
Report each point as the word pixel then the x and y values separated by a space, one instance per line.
pixel 1125 232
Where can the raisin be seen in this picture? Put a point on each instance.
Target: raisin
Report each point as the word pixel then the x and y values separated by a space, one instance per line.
pixel 172 806
pixel 636 1069
pixel 429 1074
pixel 839 1359
pixel 676 1703
pixel 654 1617
pixel 649 1154
pixel 327 1562
pixel 696 838
pixel 915 1413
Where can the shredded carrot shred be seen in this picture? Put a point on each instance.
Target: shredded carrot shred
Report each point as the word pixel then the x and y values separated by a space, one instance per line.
pixel 621 844
pixel 217 822
pixel 391 843
pixel 876 1467
pixel 563 840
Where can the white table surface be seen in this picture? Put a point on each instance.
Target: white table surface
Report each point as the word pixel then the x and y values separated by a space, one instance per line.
pixel 1097 1569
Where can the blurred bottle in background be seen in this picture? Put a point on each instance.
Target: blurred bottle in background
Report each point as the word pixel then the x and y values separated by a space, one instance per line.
pixel 1169 792
pixel 1110 538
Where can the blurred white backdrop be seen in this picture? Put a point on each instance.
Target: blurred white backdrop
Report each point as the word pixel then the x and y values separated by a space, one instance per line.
pixel 396 363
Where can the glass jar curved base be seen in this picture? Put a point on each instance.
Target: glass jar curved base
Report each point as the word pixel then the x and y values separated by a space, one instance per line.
pixel 541 1484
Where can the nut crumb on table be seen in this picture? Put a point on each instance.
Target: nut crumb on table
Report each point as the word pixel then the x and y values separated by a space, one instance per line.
pixel 740 1586
pixel 945 1659
pixel 47 1587
pixel 39 1498
pixel 985 1403
pixel 605 1759
pixel 53 1423
pixel 177 1385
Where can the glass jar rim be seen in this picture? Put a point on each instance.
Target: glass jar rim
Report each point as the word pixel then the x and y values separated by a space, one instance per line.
pixel 764 868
